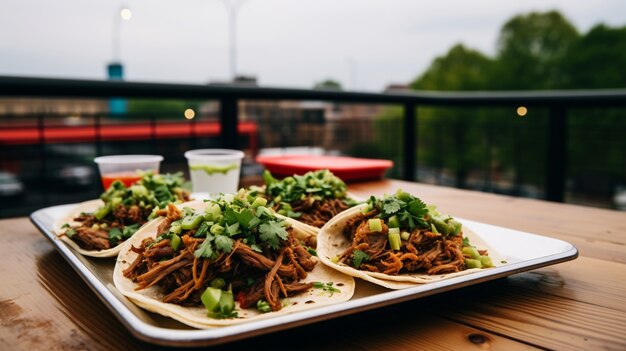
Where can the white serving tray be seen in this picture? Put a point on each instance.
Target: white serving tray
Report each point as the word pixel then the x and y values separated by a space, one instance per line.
pixel 523 251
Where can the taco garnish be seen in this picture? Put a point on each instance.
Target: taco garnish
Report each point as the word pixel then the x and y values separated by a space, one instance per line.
pixel 312 198
pixel 122 211
pixel 398 241
pixel 228 255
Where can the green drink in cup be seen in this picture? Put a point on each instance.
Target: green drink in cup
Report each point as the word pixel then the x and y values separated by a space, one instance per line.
pixel 214 171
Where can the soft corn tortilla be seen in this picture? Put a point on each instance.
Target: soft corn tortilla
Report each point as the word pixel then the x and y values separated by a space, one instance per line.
pixel 151 298
pixel 87 206
pixel 331 242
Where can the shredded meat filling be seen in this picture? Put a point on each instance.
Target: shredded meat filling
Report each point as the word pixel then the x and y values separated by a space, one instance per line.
pixel 253 276
pixel 424 251
pixel 315 212
pixel 98 239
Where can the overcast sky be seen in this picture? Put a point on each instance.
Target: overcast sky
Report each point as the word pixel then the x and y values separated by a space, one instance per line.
pixel 291 43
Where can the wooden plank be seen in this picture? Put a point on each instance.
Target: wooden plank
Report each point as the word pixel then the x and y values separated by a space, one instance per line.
pixel 592 281
pixel 571 306
pixel 45 305
pixel 596 232
pixel 547 322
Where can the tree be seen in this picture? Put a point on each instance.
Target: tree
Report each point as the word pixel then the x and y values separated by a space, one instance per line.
pixel 460 69
pixel 450 128
pixel 328 84
pixel 596 60
pixel 530 50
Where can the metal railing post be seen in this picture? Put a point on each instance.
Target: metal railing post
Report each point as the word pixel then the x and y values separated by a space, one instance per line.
pixel 410 141
pixel 229 116
pixel 557 148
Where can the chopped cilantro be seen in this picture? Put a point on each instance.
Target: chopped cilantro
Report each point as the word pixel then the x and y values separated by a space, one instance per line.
pixel 392 205
pixel 223 243
pixel 466 241
pixel 129 230
pixel 411 212
pixel 328 287
pixel 263 306
pixel 115 234
pixel 70 232
pixel 233 229
pixel 318 185
pixel 204 250
pixel 359 257
pixel 271 232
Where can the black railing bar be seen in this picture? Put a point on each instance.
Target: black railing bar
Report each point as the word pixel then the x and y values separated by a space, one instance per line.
pixel 49 87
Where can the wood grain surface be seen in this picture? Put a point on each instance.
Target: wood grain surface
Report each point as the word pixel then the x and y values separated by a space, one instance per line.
pixel 44 304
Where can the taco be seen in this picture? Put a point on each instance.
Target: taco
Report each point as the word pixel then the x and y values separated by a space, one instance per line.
pixel 96 228
pixel 224 262
pixel 312 199
pixel 398 241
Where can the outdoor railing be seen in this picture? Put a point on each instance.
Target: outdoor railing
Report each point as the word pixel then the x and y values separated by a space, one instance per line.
pixel 558 103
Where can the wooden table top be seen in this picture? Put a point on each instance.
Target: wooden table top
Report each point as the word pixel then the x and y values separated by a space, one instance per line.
pixel 577 305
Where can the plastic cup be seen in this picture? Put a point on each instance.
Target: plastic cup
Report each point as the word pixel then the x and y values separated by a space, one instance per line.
pixel 126 168
pixel 214 171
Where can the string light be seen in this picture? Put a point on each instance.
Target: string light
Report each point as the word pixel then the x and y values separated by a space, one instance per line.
pixel 126 14
pixel 190 113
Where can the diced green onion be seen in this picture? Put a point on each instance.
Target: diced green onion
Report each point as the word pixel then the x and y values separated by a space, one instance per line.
pixel 259 201
pixel 191 222
pixel 366 209
pixel 405 235
pixel 116 201
pixel 375 225
pixel 216 229
pixel 472 263
pixel 454 227
pixel 214 212
pixel 394 239
pixel 433 228
pixel 394 230
pixel 175 241
pixel 139 190
pixel 102 212
pixel 175 228
pixel 334 259
pixel 440 225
